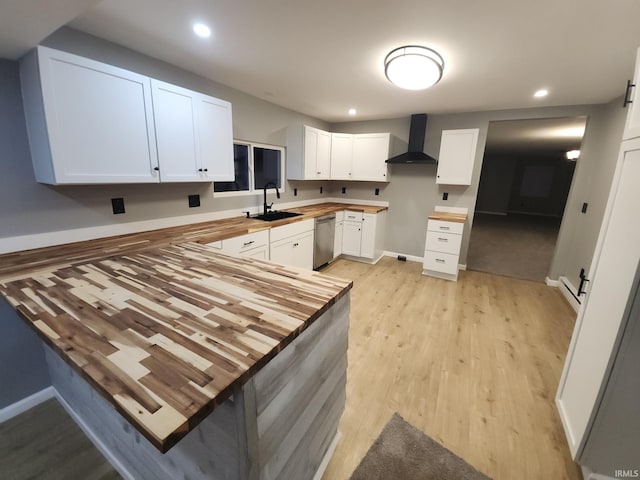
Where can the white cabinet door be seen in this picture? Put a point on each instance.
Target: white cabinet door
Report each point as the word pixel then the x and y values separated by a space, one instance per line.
pixel 612 274
pixel 337 241
pixel 259 252
pixel 632 126
pixel 175 122
pixel 351 238
pixel 280 251
pixel 457 156
pixel 368 239
pixel 194 135
pixel 370 151
pixel 317 152
pixel 302 251
pixel 341 156
pixel 98 120
pixel 215 139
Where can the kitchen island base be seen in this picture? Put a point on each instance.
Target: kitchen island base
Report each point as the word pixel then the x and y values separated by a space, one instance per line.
pixel 280 424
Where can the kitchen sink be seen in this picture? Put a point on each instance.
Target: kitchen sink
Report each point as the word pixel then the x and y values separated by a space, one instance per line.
pixel 276 215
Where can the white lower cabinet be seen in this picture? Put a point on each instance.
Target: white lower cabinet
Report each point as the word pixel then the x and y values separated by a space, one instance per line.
pixel 362 235
pixel 293 244
pixel 337 241
pixel 442 249
pixel 255 245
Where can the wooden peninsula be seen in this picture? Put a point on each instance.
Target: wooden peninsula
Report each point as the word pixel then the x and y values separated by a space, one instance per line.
pixel 186 363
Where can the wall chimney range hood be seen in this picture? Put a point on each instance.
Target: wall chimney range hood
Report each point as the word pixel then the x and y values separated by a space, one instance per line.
pixel 415 153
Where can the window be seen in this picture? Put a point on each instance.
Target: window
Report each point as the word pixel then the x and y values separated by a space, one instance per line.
pixel 255 165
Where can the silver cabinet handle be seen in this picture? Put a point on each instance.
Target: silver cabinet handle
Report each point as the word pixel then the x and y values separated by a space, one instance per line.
pixel 296 244
pixel 445 228
pixel 443 239
pixel 439 260
pixel 248 243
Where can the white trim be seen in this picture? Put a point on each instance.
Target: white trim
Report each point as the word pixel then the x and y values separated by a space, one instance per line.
pixel 60 237
pixel 462 266
pixel 587 474
pixel 411 258
pixel 27 403
pixel 327 456
pixel 354 201
pixel 551 283
pixel 95 439
pixel 564 284
pixel 443 208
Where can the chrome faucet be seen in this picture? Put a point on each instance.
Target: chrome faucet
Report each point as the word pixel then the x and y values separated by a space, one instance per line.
pixel 267 185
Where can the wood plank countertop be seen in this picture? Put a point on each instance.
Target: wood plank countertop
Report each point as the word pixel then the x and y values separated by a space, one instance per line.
pixel 25 263
pixel 448 217
pixel 169 332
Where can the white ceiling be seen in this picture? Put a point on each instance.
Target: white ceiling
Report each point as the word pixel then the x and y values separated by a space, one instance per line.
pixel 323 57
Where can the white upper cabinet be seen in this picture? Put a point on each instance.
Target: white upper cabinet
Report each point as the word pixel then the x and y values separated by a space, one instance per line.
pixel 632 126
pixel 359 157
pixel 457 156
pixel 87 122
pixel 308 153
pixel 194 137
pixel 341 156
pixel 91 123
pixel 370 152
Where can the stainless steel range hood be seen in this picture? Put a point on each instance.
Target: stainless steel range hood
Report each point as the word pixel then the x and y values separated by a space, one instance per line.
pixel 415 154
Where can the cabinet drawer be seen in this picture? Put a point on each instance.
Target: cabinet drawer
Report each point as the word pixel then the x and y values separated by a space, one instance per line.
pixel 353 216
pixel 246 242
pixel 295 228
pixel 443 242
pixel 447 227
pixel 440 262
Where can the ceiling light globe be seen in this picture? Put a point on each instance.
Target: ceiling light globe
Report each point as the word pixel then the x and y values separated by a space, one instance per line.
pixel 414 67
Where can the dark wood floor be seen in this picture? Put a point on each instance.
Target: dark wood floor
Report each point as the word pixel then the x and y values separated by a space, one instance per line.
pixel 45 443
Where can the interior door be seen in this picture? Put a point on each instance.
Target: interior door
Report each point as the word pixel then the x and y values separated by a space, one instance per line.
pixel 596 332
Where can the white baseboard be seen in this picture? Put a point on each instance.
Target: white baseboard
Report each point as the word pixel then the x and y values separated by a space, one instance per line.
pixel 27 403
pixel 411 258
pixel 551 283
pixel 587 474
pixel 462 266
pixel 327 456
pixel 567 290
pixel 102 448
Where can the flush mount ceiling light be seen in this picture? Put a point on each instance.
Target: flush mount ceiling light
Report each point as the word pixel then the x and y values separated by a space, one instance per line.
pixel 413 67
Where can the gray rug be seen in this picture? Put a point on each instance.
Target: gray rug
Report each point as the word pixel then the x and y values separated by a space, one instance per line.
pixel 403 452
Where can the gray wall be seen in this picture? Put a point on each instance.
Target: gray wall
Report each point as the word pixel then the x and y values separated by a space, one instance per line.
pixel 413 193
pixel 591 184
pixel 23 370
pixel 27 207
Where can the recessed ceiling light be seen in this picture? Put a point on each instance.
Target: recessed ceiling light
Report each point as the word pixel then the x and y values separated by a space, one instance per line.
pixel 541 93
pixel 573 155
pixel 202 30
pixel 352 111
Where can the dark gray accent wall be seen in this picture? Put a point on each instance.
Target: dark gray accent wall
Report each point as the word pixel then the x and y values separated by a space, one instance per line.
pixel 23 370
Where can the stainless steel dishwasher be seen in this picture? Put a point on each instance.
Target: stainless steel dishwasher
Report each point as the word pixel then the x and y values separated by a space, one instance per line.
pixel 323 240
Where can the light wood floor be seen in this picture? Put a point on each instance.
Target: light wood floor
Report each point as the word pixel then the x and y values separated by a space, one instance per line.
pixel 44 443
pixel 473 364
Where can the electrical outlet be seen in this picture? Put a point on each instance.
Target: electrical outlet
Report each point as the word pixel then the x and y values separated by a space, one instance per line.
pixel 117 204
pixel 344 189
pixel 377 192
pixel 445 196
pixel 194 201
pixel 295 192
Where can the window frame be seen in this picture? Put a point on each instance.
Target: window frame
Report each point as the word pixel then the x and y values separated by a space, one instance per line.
pixel 252 188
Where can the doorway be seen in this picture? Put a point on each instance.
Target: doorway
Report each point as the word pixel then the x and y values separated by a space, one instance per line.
pixel 524 184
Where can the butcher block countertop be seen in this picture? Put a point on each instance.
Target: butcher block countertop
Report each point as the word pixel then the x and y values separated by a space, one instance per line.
pixel 25 263
pixel 168 332
pixel 448 217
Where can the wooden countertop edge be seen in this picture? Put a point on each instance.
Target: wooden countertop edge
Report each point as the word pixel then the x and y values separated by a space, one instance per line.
pixel 448 217
pixel 164 445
